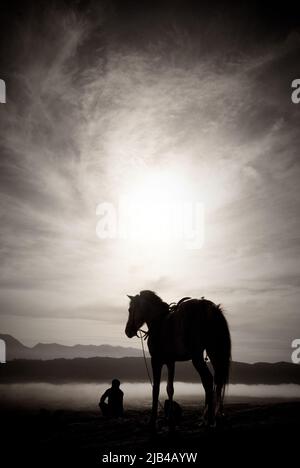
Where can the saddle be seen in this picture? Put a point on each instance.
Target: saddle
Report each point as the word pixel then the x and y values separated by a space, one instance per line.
pixel 174 305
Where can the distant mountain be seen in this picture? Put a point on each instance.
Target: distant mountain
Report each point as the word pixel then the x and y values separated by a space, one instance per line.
pixel 132 369
pixel 42 351
pixel 91 363
pixel 13 347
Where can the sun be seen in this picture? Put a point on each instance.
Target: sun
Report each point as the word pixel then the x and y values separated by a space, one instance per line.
pixel 156 210
pixel 155 221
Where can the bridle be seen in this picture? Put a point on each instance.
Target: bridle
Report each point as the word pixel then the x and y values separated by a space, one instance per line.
pixel 145 334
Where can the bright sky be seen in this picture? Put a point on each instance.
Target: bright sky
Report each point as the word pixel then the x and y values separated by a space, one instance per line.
pixel 201 116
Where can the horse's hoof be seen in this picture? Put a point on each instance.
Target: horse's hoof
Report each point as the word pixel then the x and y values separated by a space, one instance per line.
pixel 222 420
pixel 205 424
pixel 212 425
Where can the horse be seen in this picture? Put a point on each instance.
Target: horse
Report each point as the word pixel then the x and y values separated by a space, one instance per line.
pixel 183 332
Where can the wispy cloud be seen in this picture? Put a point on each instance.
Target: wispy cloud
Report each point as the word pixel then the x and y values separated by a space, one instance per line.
pixel 89 115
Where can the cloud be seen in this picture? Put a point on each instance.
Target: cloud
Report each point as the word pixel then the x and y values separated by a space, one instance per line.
pixel 91 114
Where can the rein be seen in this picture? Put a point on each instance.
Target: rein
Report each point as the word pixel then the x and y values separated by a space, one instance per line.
pixel 144 337
pixel 145 334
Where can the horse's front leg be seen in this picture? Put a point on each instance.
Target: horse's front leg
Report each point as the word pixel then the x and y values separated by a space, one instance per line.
pixel 156 371
pixel 170 392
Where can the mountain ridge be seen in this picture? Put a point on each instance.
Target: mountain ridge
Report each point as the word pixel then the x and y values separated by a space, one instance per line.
pixel 48 351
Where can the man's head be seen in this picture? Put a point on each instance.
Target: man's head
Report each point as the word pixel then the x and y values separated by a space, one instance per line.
pixel 115 383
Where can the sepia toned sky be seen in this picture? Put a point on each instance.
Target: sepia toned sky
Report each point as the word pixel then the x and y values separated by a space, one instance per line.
pixel 103 95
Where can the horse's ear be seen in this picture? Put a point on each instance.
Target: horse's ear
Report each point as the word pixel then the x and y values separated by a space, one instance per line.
pixel 130 297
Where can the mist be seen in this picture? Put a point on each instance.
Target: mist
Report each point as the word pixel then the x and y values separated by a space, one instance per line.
pixel 35 396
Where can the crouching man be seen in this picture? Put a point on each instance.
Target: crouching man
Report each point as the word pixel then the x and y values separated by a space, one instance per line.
pixel 113 408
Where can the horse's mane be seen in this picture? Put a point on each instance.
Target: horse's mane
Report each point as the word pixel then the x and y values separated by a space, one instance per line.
pixel 151 296
pixel 220 307
pixel 155 300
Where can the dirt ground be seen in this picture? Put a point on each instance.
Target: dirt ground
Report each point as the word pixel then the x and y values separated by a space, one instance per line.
pixel 248 433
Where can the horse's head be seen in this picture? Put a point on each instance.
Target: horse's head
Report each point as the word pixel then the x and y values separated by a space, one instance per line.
pixel 136 318
pixel 144 307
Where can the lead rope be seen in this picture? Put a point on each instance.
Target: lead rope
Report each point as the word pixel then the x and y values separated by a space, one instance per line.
pixel 145 360
pixel 144 354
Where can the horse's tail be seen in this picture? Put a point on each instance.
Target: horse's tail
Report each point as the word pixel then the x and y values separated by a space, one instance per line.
pixel 220 351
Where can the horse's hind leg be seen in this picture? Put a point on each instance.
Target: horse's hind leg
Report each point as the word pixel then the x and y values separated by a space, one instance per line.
pixel 208 384
pixel 219 386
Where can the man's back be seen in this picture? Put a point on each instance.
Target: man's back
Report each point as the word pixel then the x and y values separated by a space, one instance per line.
pixel 115 400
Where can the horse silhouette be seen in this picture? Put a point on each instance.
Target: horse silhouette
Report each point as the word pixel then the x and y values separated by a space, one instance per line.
pixel 183 332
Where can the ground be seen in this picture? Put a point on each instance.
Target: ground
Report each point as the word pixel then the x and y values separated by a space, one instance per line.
pixel 249 433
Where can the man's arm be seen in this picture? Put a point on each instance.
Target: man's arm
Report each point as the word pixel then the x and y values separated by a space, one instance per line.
pixel 104 396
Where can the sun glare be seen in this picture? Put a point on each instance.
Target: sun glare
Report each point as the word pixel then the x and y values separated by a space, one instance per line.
pixel 159 209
